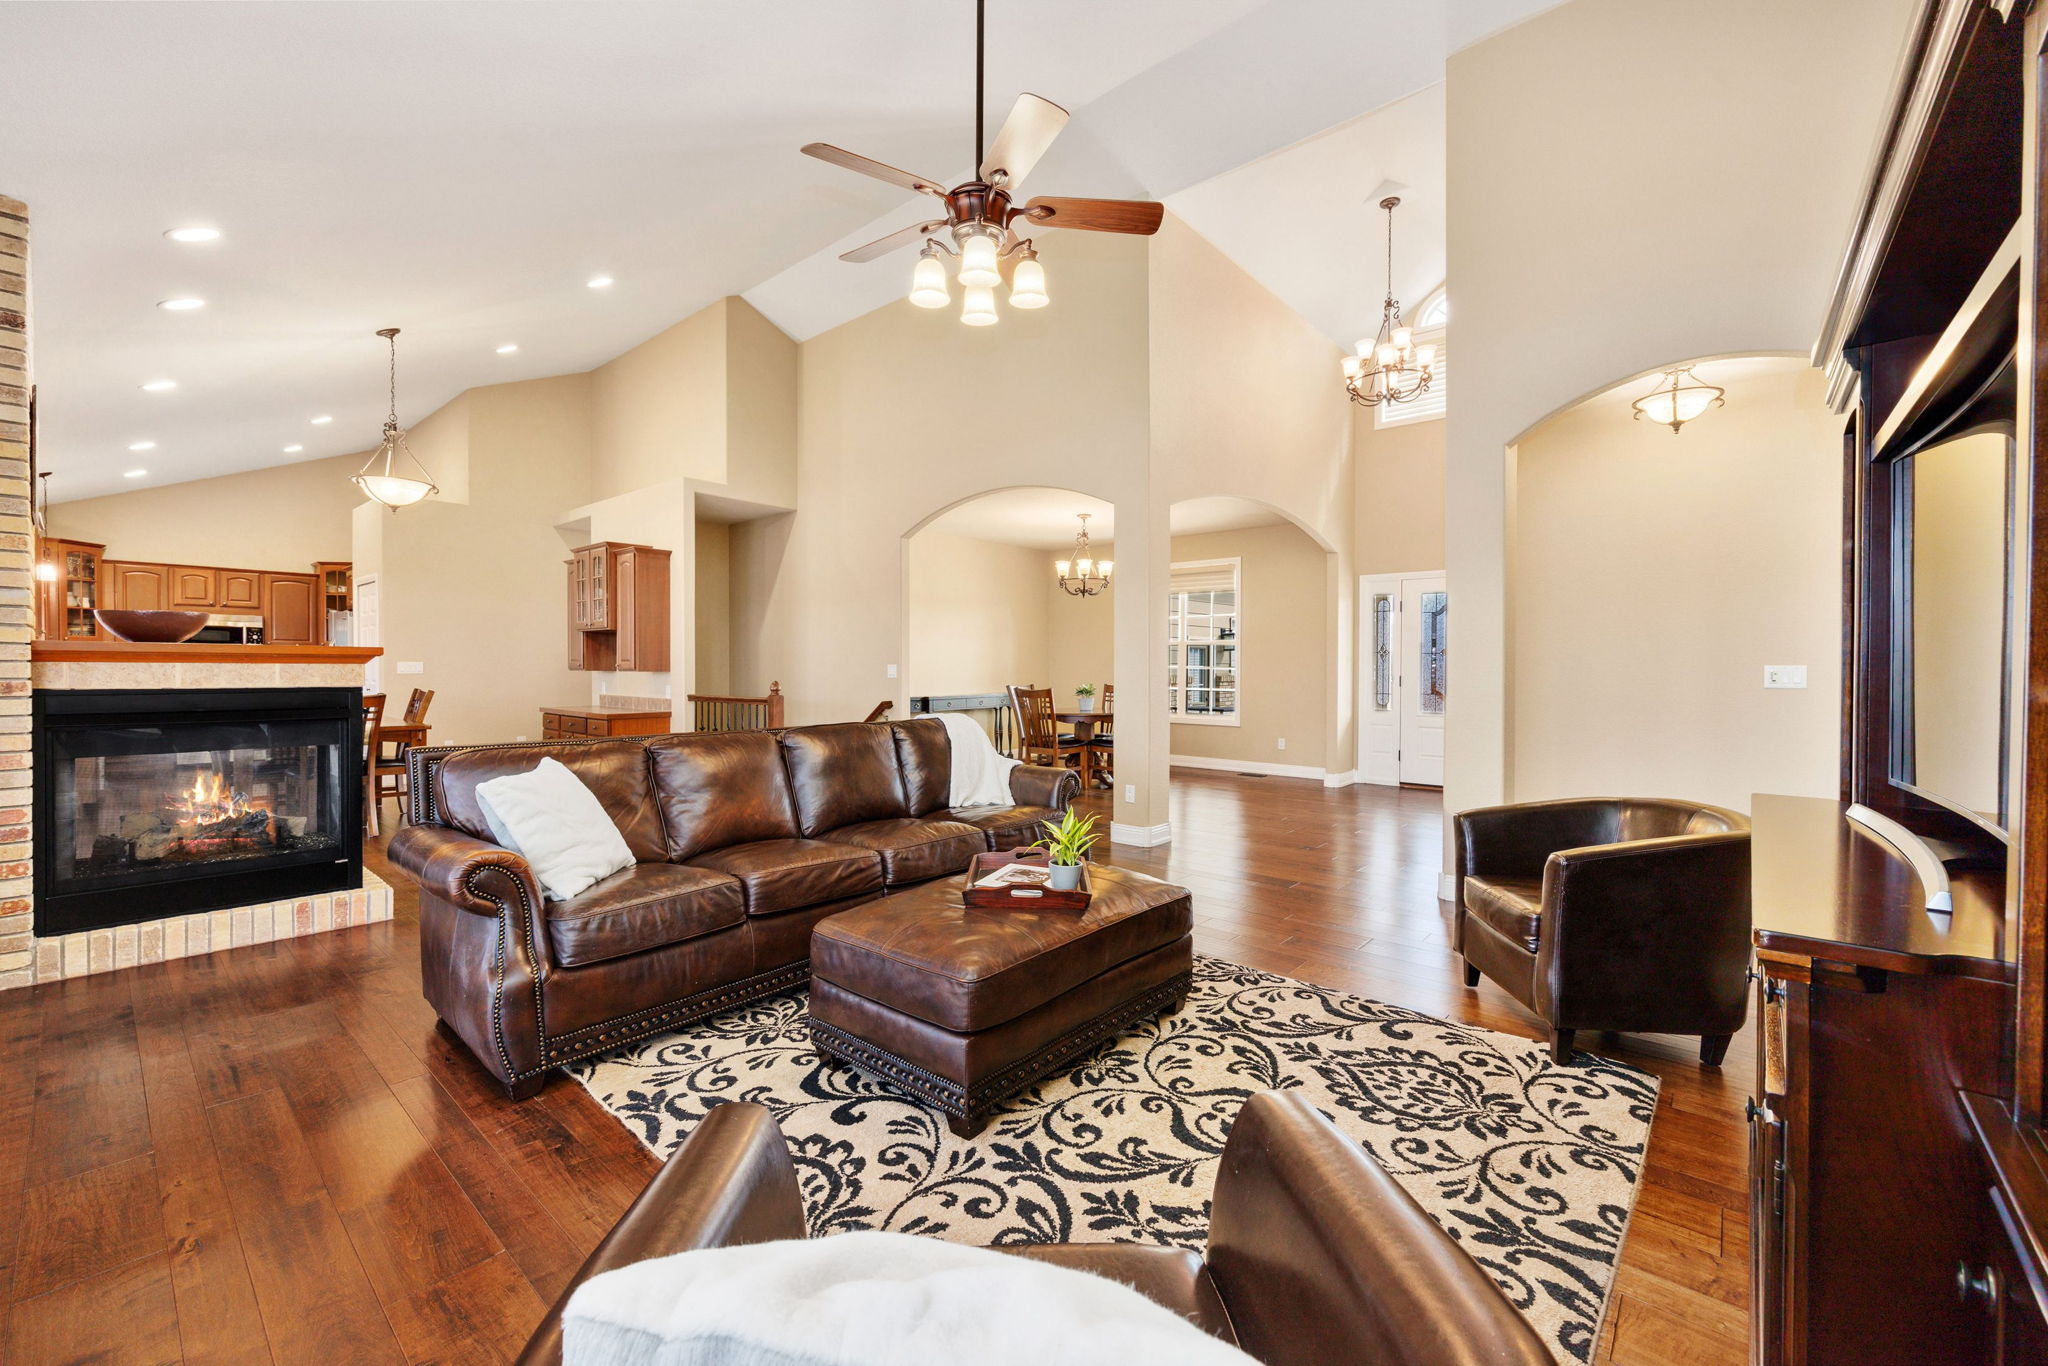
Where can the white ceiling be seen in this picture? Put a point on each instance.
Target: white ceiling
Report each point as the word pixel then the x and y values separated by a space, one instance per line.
pixel 459 169
pixel 1046 519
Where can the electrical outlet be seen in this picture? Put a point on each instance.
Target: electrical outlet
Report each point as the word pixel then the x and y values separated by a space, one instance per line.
pixel 1282 742
pixel 1130 792
pixel 411 666
pixel 1775 675
pixel 520 738
pixel 892 671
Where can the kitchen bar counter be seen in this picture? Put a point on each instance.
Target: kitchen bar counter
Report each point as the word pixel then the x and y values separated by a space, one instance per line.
pixel 194 652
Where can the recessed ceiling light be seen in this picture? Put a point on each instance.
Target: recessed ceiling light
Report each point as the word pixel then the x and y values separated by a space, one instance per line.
pixel 508 348
pixel 193 234
pixel 183 305
pixel 134 474
pixel 600 282
pixel 293 450
pixel 322 420
pixel 159 386
pixel 143 446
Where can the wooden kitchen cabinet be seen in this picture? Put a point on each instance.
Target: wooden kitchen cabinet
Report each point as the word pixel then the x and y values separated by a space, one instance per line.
pixel 594 723
pixel 65 601
pixel 239 590
pixel 135 587
pixel 291 609
pixel 194 587
pixel 618 605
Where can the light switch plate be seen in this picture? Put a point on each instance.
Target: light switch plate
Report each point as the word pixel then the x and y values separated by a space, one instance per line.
pixel 411 666
pixel 1130 792
pixel 892 671
pixel 1775 675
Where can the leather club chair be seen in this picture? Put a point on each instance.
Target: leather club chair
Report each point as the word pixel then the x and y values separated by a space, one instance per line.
pixel 1610 913
pixel 1315 1255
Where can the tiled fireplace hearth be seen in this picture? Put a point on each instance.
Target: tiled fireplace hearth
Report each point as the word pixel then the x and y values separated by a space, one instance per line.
pixel 190 799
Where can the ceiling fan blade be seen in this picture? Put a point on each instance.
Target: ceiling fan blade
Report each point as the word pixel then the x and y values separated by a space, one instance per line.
pixel 854 161
pixel 882 246
pixel 1138 216
pixel 1033 123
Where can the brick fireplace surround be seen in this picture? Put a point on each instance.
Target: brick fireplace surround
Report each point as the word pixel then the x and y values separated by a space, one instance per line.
pixel 24 958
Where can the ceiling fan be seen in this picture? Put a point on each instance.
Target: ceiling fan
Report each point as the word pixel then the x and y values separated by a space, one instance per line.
pixel 982 218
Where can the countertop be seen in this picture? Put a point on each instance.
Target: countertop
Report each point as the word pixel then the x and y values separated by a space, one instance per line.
pixel 194 652
pixel 607 713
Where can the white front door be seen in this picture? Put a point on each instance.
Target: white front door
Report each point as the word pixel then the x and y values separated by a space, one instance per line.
pixel 1425 608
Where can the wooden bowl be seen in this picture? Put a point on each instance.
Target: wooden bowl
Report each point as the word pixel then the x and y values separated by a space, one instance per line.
pixel 156 628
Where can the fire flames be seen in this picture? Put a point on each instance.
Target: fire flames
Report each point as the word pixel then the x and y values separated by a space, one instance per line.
pixel 213 815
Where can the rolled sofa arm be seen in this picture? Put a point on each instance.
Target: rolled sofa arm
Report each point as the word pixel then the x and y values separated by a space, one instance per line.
pixel 1044 785
pixel 472 874
pixel 731 1182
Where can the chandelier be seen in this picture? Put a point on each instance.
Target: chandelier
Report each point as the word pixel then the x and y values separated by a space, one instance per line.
pixel 1390 367
pixel 1680 396
pixel 383 476
pixel 1083 576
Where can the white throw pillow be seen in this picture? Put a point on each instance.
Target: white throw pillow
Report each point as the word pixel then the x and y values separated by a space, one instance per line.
pixel 872 1299
pixel 550 817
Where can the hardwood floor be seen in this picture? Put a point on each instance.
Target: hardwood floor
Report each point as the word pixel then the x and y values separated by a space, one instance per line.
pixel 272 1155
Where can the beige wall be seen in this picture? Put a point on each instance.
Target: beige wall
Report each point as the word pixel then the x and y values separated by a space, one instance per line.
pixel 712 595
pixel 1655 575
pixel 1399 526
pixel 975 615
pixel 1959 602
pixel 1282 636
pixel 282 518
pixel 1576 261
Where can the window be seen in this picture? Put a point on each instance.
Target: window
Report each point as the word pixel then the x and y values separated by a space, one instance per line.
pixel 1435 311
pixel 1435 635
pixel 1383 652
pixel 1429 404
pixel 1202 605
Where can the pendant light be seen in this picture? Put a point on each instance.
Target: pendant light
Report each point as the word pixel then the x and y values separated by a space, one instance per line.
pixel 1389 367
pixel 1083 576
pixel 389 474
pixel 1680 396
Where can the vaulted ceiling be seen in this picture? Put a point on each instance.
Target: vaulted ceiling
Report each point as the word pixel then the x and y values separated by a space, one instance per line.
pixel 463 169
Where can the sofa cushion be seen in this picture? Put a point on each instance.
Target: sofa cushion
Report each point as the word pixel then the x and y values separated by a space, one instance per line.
pixel 1511 905
pixel 842 775
pixel 645 907
pixel 547 816
pixel 924 758
pixel 913 850
pixel 1007 827
pixel 926 954
pixel 721 789
pixel 787 875
pixel 614 770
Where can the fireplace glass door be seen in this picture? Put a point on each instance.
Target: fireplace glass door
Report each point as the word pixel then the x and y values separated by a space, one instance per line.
pixel 198 801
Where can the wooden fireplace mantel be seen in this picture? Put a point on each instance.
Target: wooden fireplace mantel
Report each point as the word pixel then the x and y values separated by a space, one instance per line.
pixel 191 652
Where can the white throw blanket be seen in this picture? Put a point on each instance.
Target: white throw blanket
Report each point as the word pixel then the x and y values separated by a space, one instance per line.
pixel 981 777
pixel 871 1299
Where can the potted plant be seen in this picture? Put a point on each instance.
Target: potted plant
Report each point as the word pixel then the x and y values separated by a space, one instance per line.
pixel 1068 843
pixel 1085 695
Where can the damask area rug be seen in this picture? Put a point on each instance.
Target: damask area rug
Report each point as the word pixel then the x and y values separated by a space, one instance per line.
pixel 1531 1166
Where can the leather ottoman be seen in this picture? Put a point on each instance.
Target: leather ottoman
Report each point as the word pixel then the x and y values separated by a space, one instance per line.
pixel 964 1007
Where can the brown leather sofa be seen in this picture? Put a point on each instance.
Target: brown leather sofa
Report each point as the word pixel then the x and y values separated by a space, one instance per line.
pixel 1316 1255
pixel 744 841
pixel 1611 913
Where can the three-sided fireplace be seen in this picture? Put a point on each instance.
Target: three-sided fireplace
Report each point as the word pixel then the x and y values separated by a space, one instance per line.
pixel 152 803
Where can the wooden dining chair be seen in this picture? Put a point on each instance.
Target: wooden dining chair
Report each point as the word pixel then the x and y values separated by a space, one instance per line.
pixel 1038 729
pixel 416 706
pixel 382 777
pixel 1102 744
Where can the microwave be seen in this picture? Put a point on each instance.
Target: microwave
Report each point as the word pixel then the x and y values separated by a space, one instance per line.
pixel 222 629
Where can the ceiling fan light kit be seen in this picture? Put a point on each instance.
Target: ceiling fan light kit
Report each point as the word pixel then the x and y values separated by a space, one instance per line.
pixel 982 218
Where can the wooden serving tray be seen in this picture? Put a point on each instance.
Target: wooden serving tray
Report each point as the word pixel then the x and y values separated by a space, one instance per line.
pixel 1021 898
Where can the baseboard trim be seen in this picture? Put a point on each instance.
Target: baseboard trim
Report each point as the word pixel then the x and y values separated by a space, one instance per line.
pixel 1446 887
pixel 1345 779
pixel 1264 770
pixel 1141 836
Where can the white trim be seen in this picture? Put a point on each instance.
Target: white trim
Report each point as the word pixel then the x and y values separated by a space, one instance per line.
pixel 1345 779
pixel 1236 716
pixel 1369 586
pixel 1260 767
pixel 1446 886
pixel 1141 836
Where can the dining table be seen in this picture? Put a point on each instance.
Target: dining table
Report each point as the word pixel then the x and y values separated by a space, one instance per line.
pixel 1084 724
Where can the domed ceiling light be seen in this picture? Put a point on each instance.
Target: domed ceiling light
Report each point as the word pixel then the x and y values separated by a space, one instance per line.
pixel 1680 396
pixel 393 475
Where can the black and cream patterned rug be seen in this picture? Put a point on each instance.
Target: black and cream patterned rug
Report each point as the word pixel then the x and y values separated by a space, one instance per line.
pixel 1531 1166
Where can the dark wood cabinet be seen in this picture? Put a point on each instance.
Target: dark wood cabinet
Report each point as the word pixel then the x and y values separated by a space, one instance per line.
pixel 68 588
pixel 586 723
pixel 291 609
pixel 618 607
